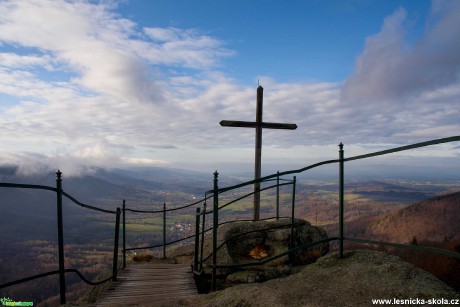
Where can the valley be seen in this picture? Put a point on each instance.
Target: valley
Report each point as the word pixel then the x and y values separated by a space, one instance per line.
pixel 29 236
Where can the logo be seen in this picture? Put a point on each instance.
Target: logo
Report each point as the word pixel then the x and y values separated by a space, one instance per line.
pixel 5 301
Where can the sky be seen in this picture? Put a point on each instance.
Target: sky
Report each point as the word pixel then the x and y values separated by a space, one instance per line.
pixel 146 83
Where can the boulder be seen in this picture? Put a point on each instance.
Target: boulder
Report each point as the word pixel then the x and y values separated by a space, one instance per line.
pixel 254 242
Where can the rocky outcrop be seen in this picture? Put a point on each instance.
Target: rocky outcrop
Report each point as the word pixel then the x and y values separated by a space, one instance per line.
pixel 255 242
pixel 356 280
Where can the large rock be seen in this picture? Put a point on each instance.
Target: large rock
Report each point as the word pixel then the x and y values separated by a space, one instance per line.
pixel 252 242
pixel 355 280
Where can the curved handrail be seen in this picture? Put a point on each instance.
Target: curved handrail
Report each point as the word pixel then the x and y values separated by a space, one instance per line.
pixel 53 189
pixel 374 154
pixel 61 272
pixel 92 283
pixel 251 193
pixel 27 186
pixel 408 246
pixel 267 260
pixel 406 147
pixel 248 232
pixel 29 278
pixel 70 197
pixel 221 190
pixel 160 245
pixel 55 272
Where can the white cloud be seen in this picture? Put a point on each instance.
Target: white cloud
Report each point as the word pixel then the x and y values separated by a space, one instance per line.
pixel 390 68
pixel 119 93
pixel 12 60
pixel 404 92
pixel 173 46
pixel 109 90
pixel 104 50
pixel 432 132
pixel 142 161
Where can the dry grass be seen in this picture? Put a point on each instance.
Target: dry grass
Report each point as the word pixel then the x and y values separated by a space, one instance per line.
pixel 143 258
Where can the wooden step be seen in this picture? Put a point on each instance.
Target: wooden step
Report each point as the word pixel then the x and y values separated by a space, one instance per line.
pixel 149 283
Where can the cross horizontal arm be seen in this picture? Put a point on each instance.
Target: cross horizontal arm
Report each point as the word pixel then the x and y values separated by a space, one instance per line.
pixel 279 126
pixel 238 123
pixel 244 124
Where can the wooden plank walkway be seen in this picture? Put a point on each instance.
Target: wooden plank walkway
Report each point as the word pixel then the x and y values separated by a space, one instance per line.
pixel 149 283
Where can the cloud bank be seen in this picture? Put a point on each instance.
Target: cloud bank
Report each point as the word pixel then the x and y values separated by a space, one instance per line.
pixel 82 84
pixel 391 68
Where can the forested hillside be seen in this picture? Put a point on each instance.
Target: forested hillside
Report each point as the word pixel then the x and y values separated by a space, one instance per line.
pixel 434 222
pixel 436 219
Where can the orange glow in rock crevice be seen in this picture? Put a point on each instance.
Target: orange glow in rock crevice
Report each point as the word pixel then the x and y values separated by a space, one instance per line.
pixel 258 252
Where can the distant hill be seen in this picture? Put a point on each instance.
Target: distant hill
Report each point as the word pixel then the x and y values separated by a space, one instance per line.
pixel 30 214
pixel 136 185
pixel 436 219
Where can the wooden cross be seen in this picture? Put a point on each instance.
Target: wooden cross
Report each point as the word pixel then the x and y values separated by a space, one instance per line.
pixel 258 124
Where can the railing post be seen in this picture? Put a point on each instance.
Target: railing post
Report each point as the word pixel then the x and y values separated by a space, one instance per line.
pixel 124 234
pixel 277 195
pixel 202 234
pixel 164 230
pixel 215 224
pixel 197 238
pixel 341 197
pixel 293 212
pixel 60 238
pixel 115 245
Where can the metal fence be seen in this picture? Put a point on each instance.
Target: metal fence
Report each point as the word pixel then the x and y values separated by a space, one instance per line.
pixel 341 238
pixel 120 213
pixel 60 193
pixel 200 222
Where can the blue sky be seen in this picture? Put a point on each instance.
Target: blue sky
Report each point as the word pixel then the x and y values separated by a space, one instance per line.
pixel 294 40
pixel 129 83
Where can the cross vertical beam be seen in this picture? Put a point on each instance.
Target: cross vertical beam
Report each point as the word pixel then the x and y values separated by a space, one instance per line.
pixel 258 125
pixel 258 152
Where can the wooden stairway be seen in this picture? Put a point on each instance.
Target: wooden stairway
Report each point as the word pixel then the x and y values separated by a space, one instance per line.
pixel 149 283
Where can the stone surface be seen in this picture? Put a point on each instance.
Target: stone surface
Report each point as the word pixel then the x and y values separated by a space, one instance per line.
pixel 353 281
pixel 238 239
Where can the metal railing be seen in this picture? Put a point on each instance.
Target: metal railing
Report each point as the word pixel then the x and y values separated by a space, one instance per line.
pixel 120 218
pixel 163 212
pixel 62 270
pixel 341 238
pixel 200 219
pixel 279 183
